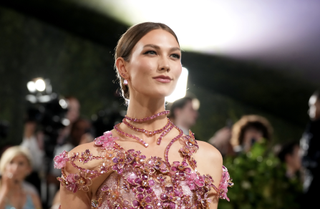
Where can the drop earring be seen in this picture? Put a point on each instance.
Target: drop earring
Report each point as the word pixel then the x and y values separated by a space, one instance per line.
pixel 125 82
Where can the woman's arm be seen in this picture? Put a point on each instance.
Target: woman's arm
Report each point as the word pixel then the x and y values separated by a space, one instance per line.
pixel 209 161
pixel 3 194
pixel 77 187
pixel 36 201
pixel 78 200
pixel 6 183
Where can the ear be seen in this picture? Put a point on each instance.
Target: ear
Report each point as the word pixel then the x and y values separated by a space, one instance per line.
pixel 121 65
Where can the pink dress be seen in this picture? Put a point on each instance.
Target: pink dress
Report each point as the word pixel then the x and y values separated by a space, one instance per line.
pixel 137 182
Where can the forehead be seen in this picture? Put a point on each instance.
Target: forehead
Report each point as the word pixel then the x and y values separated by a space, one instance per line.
pixel 20 157
pixel 159 37
pixel 253 129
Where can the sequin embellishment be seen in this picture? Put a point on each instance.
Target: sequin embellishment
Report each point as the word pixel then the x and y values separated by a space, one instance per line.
pixel 138 182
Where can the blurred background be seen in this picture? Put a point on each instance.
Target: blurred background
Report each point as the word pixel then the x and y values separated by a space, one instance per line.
pixel 243 57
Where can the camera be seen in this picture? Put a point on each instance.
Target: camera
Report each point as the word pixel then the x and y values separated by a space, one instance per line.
pixel 47 110
pixel 50 116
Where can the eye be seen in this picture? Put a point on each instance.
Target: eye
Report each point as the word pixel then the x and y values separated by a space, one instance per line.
pixel 176 56
pixel 150 52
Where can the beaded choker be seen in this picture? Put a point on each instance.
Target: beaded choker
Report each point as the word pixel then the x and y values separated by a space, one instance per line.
pixel 147 118
pixel 146 132
pixel 163 131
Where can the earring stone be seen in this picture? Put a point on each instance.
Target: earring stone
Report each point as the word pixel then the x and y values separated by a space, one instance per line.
pixel 125 82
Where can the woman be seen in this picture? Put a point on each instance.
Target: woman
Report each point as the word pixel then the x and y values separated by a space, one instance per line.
pixel 249 130
pixel 15 165
pixel 132 166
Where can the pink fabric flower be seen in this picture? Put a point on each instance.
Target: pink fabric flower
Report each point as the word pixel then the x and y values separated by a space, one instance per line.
pixel 106 140
pixel 61 160
pixel 72 180
pixel 180 169
pixel 225 183
pixel 85 156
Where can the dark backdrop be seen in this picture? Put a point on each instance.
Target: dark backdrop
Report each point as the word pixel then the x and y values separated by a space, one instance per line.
pixel 79 62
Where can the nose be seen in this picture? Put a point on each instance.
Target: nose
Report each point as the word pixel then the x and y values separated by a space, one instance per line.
pixel 164 64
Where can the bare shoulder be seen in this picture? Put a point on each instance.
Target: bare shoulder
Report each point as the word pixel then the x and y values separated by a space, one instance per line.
pixel 88 156
pixel 81 159
pixel 209 152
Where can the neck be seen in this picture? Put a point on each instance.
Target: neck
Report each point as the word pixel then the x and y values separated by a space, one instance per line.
pixel 142 107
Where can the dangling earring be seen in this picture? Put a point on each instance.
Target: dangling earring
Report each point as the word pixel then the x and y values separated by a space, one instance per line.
pixel 125 82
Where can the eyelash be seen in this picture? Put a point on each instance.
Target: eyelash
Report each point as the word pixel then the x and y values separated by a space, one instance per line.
pixel 177 56
pixel 149 51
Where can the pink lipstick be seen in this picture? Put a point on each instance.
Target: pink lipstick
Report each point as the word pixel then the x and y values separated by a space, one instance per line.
pixel 163 79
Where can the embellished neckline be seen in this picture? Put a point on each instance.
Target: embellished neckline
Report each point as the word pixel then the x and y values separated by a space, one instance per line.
pixel 139 174
pixel 163 131
pixel 189 146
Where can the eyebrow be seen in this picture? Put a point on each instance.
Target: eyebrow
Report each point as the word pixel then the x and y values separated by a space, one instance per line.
pixel 157 47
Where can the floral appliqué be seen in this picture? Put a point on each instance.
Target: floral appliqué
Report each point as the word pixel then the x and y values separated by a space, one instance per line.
pixel 138 182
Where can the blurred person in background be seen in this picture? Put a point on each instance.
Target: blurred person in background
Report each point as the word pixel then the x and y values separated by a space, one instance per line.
pixel 72 115
pixel 184 113
pixel 33 138
pixel 289 154
pixel 15 165
pixel 222 141
pixel 81 133
pixel 310 153
pixel 33 141
pixel 249 130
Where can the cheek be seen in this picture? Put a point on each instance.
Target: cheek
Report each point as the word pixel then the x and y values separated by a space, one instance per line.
pixel 7 168
pixel 140 70
pixel 178 71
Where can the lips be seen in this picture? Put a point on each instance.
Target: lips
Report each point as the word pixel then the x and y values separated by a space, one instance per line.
pixel 163 79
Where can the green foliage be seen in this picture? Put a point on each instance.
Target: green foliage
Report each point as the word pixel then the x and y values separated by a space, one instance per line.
pixel 260 182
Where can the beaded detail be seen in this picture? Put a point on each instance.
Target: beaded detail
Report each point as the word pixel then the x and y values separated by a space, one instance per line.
pixel 146 132
pixel 136 120
pixel 137 182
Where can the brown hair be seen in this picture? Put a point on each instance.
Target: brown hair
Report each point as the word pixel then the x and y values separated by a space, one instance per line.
pixel 127 42
pixel 179 104
pixel 250 121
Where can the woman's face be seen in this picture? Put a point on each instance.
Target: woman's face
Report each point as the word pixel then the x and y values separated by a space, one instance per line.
pixel 155 65
pixel 73 110
pixel 18 168
pixel 251 135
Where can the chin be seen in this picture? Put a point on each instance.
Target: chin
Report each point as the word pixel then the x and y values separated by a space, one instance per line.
pixel 160 94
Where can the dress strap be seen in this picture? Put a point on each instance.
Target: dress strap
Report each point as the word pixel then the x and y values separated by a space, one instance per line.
pixel 189 146
pixel 166 153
